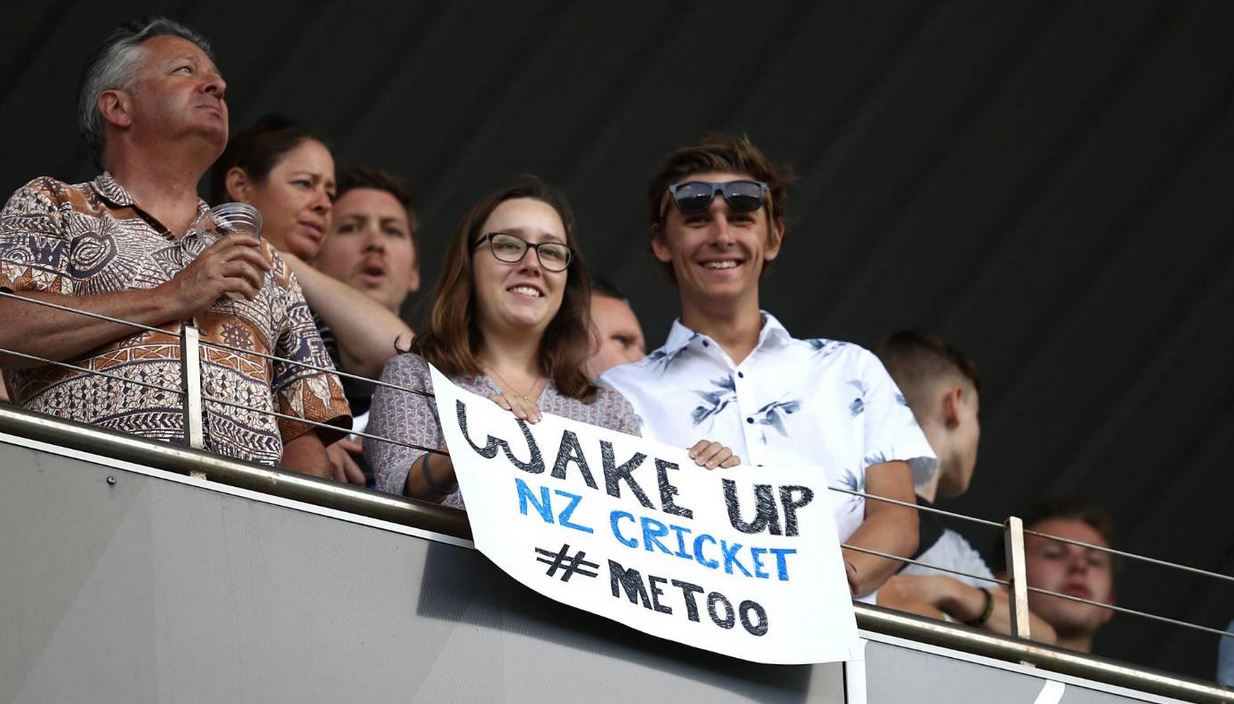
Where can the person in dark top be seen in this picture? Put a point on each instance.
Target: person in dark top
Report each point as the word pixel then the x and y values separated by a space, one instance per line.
pixel 941 386
pixel 371 247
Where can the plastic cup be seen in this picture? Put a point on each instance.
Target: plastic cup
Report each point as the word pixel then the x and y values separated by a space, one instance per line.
pixel 236 219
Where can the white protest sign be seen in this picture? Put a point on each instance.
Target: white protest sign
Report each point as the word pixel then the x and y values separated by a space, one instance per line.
pixel 742 561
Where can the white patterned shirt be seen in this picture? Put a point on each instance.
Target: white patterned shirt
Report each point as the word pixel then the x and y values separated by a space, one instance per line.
pixel 790 402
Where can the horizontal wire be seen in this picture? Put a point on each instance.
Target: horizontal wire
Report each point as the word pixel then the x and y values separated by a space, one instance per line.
pixel 219 345
pixel 86 313
pixel 1133 556
pixel 1133 612
pixel 899 558
pixel 919 507
pixel 327 426
pixel 435 451
pixel 108 375
pixel 328 370
pixel 232 404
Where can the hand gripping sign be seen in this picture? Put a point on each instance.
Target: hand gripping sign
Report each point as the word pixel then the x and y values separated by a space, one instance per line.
pixel 742 561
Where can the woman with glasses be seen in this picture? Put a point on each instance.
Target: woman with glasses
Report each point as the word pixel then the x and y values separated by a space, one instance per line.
pixel 510 322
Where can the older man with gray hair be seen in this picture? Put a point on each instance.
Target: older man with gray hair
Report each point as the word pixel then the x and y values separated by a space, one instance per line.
pixel 136 244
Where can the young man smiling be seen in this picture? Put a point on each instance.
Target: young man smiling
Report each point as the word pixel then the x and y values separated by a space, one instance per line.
pixel 731 371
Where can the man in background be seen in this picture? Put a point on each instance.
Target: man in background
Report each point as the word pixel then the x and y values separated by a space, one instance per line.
pixel 941 386
pixel 372 246
pixel 618 335
pixel 1074 570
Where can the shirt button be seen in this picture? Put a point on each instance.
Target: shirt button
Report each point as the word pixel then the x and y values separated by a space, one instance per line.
pixel 749 420
pixel 706 343
pixel 741 375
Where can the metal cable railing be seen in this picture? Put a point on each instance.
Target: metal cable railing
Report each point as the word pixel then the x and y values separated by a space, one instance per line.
pixel 85 313
pixel 326 426
pixel 1131 612
pixel 1078 543
pixel 918 507
pixel 1133 556
pixel 1037 590
pixel 1013 530
pixel 919 563
pixel 448 525
pixel 84 370
pixel 216 345
pixel 338 372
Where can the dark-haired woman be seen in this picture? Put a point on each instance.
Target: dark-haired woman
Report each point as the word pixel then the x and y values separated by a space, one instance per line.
pixel 287 173
pixel 510 322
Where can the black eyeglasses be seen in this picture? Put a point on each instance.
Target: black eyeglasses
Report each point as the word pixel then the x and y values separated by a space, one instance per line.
pixel 694 197
pixel 510 248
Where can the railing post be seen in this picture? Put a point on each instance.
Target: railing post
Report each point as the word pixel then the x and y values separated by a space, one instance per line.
pixel 1013 541
pixel 190 384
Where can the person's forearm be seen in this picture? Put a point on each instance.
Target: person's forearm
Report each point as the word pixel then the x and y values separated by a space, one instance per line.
pixel 366 332
pixel 885 533
pixel 307 455
pixel 966 603
pixel 418 485
pixel 923 594
pixel 910 593
pixel 58 335
pixel 1000 619
pixel 888 528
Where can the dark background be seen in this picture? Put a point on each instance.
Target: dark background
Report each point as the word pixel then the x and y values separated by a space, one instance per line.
pixel 1045 183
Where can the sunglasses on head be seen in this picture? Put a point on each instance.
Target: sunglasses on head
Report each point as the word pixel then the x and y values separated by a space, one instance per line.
pixel 694 197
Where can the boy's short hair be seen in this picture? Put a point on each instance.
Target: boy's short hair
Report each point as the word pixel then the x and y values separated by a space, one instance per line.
pixel 915 359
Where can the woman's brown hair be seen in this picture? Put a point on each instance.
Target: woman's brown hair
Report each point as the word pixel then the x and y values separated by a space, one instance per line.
pixel 453 337
pixel 258 149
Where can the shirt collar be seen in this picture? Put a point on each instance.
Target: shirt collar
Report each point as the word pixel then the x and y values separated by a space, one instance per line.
pixel 773 332
pixel 110 190
pixel 680 336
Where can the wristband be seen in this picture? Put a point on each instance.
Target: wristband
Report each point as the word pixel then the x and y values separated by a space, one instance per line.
pixel 985 610
pixel 427 473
